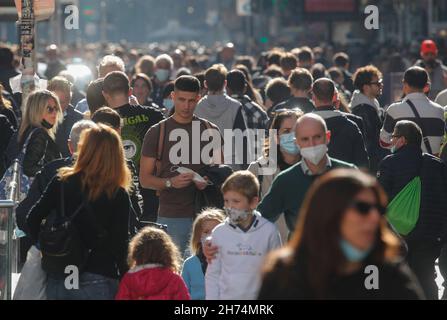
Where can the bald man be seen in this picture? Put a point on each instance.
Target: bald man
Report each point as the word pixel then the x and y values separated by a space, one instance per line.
pixel 290 187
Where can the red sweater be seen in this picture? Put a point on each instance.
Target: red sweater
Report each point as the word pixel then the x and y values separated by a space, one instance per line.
pixel 152 283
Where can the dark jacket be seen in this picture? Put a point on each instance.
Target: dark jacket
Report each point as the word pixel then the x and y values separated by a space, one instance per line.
pixel 40 151
pixel 43 179
pixel 9 113
pixel 107 216
pixel 37 188
pixel 63 131
pixel 397 170
pixel 6 132
pixel 358 121
pixel 283 282
pixel 304 104
pixel 346 142
pixel 348 83
pixel 373 124
pixel 7 73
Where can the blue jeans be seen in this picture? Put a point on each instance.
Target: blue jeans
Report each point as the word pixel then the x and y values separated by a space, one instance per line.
pixel 91 287
pixel 180 231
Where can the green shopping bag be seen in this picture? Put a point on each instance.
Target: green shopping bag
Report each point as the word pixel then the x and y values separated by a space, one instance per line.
pixel 403 211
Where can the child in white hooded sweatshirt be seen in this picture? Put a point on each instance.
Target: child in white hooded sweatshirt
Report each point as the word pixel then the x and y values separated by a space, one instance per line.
pixel 244 240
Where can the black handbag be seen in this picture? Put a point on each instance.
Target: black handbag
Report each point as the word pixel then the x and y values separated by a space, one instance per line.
pixel 60 241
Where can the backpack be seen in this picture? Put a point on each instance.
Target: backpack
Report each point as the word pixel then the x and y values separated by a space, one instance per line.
pixel 16 167
pixel 60 241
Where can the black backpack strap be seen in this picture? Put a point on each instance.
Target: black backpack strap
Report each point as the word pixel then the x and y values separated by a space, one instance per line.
pixel 424 137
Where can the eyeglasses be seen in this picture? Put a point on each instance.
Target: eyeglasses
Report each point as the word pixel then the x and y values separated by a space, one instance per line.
pixel 364 208
pixel 378 83
pixel 51 109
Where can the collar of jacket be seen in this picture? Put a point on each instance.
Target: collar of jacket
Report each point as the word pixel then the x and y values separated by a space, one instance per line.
pixel 407 149
pixel 327 108
pixel 328 112
pixel 416 96
pixel 145 267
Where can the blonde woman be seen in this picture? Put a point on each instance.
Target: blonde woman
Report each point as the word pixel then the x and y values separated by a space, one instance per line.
pixel 40 120
pixel 97 188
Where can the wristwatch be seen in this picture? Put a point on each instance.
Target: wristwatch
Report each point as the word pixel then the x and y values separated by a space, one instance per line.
pixel 168 183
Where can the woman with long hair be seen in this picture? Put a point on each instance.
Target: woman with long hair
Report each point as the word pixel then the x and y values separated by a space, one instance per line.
pixel 342 247
pixel 287 153
pixel 40 120
pixel 98 184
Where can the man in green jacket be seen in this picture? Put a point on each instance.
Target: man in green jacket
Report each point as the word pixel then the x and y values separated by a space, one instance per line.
pixel 288 190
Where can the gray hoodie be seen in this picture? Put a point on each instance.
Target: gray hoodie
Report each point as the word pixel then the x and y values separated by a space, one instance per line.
pixel 220 110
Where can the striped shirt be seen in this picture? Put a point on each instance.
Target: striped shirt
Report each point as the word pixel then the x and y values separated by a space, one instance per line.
pixel 432 120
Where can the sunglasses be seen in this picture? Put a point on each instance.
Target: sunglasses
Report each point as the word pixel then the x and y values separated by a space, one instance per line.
pixel 379 83
pixel 364 208
pixel 51 109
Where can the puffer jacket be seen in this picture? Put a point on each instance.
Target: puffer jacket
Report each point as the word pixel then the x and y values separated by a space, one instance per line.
pixel 152 282
pixel 397 170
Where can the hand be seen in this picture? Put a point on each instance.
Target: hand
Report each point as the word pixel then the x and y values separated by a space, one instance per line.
pixel 210 251
pixel 182 180
pixel 133 101
pixel 201 185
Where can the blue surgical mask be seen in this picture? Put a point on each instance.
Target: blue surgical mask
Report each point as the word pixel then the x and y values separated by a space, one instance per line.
pixel 162 75
pixel 168 103
pixel 288 144
pixel 351 253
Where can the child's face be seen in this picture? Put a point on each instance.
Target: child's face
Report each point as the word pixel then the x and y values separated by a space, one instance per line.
pixel 207 227
pixel 235 200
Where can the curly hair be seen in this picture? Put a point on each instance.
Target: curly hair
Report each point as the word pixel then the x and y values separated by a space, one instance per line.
pixel 152 245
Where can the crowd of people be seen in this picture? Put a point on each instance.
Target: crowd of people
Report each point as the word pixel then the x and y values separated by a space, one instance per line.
pixel 159 214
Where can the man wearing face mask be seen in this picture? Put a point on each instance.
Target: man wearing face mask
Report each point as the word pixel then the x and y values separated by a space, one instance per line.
pixel 436 70
pixel 289 187
pixel 395 173
pixel 163 70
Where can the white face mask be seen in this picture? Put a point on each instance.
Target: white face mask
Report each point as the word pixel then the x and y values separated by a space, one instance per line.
pixel 237 216
pixel 314 154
